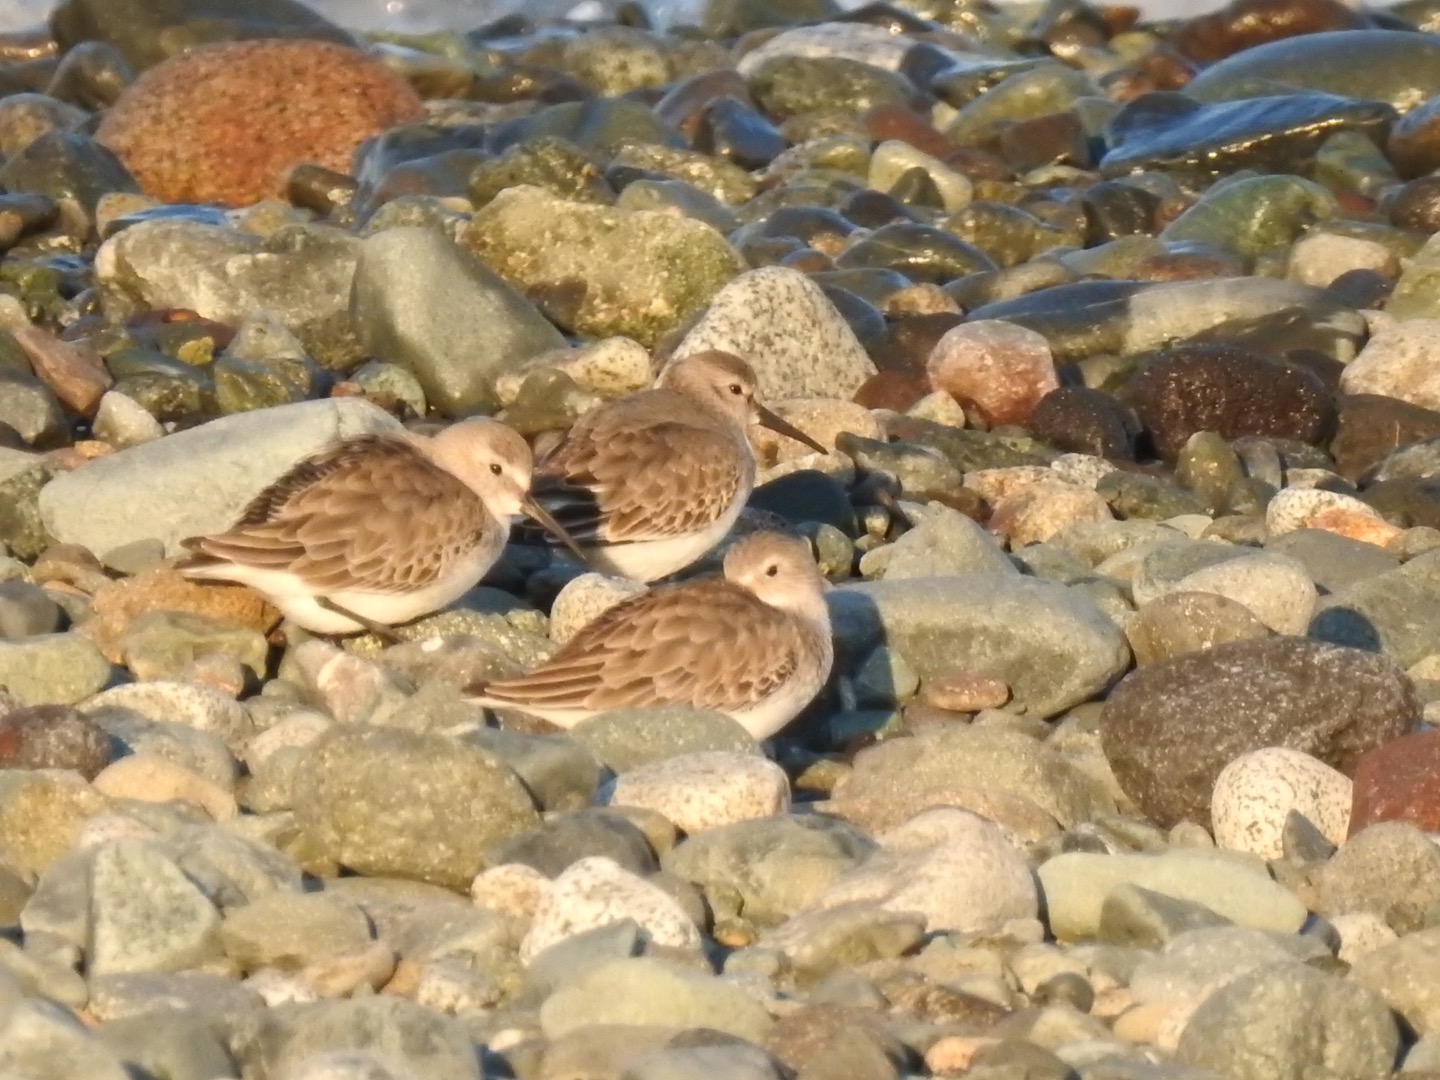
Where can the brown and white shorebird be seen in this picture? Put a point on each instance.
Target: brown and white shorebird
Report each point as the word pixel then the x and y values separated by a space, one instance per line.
pixel 378 530
pixel 753 642
pixel 649 483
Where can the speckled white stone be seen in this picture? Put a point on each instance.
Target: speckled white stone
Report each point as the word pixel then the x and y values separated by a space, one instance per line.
pixel 512 888
pixel 1293 508
pixel 596 892
pixel 786 327
pixel 1361 933
pixel 1256 792
pixel 1085 470
pixel 1398 362
pixel 1276 588
pixel 702 790
pixel 584 599
pixel 166 702
pixel 953 867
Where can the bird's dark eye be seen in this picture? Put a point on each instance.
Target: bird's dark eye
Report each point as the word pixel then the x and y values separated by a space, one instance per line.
pixel 736 389
pixel 495 468
pixel 771 570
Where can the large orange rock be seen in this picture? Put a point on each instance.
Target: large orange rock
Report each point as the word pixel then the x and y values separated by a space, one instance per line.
pixel 225 123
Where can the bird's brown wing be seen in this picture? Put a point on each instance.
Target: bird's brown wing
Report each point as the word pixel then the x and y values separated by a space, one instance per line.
pixel 644 468
pixel 705 643
pixel 371 514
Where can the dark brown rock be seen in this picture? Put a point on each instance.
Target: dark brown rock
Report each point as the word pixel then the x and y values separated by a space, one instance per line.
pixel 1407 501
pixel 1369 427
pixel 1414 143
pixel 1415 205
pixel 226 123
pixel 1247 23
pixel 53 737
pixel 1082 420
pixel 1230 391
pixel 1399 781
pixel 1168 729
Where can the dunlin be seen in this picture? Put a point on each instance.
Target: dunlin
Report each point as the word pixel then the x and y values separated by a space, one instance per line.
pixel 378 530
pixel 651 482
pixel 753 642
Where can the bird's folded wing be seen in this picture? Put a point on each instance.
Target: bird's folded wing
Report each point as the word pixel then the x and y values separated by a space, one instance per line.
pixel 708 644
pixel 615 483
pixel 373 515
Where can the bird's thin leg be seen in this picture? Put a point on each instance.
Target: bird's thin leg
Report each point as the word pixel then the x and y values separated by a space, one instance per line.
pixel 384 633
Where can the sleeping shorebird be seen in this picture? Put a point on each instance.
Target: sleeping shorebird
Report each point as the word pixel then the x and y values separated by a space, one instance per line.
pixel 649 483
pixel 753 642
pixel 379 529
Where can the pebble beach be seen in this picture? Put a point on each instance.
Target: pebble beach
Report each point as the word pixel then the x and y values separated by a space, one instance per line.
pixel 1124 334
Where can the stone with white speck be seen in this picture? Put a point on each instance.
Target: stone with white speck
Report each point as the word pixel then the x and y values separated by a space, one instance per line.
pixel 1276 588
pixel 701 791
pixel 512 888
pixel 1294 508
pixel 785 326
pixel 596 892
pixel 954 867
pixel 1256 792
pixel 584 599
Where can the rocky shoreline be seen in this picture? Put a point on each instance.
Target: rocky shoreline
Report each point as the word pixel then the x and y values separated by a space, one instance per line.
pixel 1125 336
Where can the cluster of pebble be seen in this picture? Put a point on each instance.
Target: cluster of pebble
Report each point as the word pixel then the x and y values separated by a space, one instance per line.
pixel 1124 336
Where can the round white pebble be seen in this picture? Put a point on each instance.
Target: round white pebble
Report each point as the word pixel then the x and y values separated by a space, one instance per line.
pixel 1256 792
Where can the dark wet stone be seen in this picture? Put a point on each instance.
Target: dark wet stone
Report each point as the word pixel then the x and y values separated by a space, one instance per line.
pixel 1172 131
pixel 920 252
pixel 816 226
pixel 686 102
pixel 807 496
pixel 1169 728
pixel 1229 391
pixel 92 75
pixel 317 188
pixel 963 82
pixel 1007 234
pixel 1244 24
pixel 546 161
pixel 1080 420
pixel 1370 426
pixel 1414 143
pixel 1415 205
pixel 871 209
pixel 1114 208
pixel 732 130
pixel 1049 87
pixel 907 125
pixel 1393 66
pixel 731 18
pixel 874 285
pixel 53 737
pixel 1361 289
pixel 787 86
pixel 1056 139
pixel 67 167
pixel 865 320
pixel 600 126
pixel 147 31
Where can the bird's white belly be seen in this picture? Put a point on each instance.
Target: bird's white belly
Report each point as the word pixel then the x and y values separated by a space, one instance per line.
pixel 650 560
pixel 297 600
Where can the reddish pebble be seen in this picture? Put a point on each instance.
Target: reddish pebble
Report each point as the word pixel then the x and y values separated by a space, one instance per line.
pixel 226 123
pixel 965 693
pixel 1000 369
pixel 1399 781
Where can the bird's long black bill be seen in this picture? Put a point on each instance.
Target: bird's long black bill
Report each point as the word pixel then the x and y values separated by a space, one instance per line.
pixel 784 427
pixel 534 510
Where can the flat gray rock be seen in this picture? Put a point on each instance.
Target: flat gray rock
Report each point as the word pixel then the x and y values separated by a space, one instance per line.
pixel 421 300
pixel 1053 647
pixel 196 481
pixel 145 915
